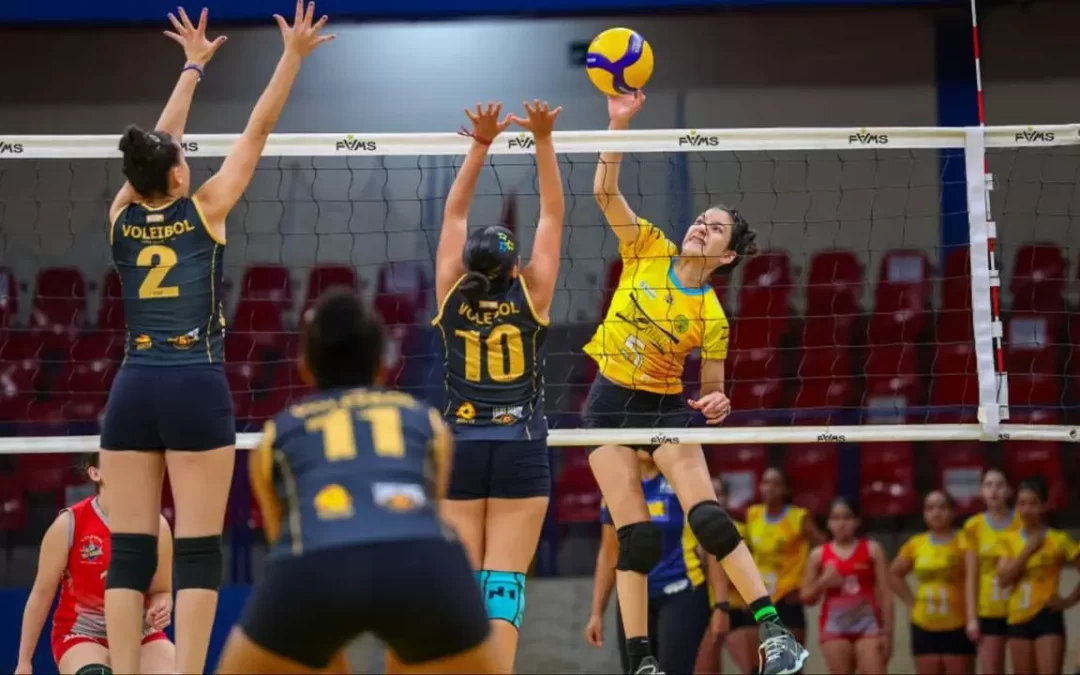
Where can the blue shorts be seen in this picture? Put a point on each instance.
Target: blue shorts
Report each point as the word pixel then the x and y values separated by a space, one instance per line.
pixel 157 408
pixel 500 470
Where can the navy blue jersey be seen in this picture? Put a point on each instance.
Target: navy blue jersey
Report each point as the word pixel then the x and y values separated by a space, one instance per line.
pixel 494 362
pixel 680 569
pixel 170 267
pixel 351 466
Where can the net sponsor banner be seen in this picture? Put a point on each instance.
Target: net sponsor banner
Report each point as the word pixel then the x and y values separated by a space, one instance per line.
pixel 139 11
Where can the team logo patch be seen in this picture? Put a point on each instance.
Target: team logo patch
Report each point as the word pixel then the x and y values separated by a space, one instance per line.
pixel 91 548
pixel 333 502
pixel 506 245
pixel 466 412
pixel 507 415
pixel 399 497
pixel 185 341
pixel 682 324
pixel 143 342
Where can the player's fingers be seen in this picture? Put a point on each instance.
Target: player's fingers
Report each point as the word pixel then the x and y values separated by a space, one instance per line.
pixel 555 113
pixel 184 18
pixel 282 24
pixel 176 23
pixel 174 37
pixel 217 43
pixel 321 22
pixel 298 16
pixel 326 38
pixel 694 403
pixel 309 14
pixel 202 20
pixel 470 115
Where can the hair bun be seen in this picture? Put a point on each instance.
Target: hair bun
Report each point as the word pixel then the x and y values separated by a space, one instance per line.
pixel 134 141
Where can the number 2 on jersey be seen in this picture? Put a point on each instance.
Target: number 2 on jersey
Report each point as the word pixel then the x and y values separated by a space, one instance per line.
pixel 339 433
pixel 500 368
pixel 160 259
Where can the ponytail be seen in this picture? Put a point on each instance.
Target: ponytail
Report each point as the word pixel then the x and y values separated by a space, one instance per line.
pixel 475 286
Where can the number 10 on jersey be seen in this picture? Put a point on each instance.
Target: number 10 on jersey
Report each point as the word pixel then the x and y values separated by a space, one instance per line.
pixel 500 367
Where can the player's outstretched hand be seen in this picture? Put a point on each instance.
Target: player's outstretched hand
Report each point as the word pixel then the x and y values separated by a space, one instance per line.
pixel 303 36
pixel 715 406
pixel 486 122
pixel 540 118
pixel 197 48
pixel 623 108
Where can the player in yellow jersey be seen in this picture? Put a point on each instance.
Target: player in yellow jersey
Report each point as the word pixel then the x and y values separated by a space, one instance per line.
pixel 662 309
pixel 780 536
pixel 987 604
pixel 1030 567
pixel 939 642
pixel 729 612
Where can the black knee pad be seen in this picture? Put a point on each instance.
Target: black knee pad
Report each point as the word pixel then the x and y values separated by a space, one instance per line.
pixel 713 528
pixel 641 547
pixel 133 561
pixel 199 563
pixel 94 669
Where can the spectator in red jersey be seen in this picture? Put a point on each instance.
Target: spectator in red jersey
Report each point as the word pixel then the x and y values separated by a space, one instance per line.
pixel 75 556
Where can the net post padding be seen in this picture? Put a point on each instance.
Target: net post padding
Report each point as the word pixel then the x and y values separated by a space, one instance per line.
pixel 705 436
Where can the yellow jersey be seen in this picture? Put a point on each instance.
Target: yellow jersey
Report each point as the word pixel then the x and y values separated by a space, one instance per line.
pixel 938 567
pixel 1039 582
pixel 981 536
pixel 779 546
pixel 654 322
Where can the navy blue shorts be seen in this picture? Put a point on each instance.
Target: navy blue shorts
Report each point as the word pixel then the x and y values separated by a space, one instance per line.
pixel 418 596
pixel 613 406
pixel 500 470
pixel 940 642
pixel 157 408
pixel 1045 623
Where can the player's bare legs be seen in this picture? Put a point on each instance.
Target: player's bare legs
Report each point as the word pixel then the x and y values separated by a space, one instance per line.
pixel 839 656
pixel 200 485
pixel 467 517
pixel 991 654
pixel 617 472
pixel 157 658
pixel 134 517
pixel 870 655
pixel 512 533
pixel 82 655
pixel 684 467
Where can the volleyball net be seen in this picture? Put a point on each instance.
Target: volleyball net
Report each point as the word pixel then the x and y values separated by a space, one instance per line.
pixel 913 287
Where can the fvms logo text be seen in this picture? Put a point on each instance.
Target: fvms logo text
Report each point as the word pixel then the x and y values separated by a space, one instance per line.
pixel 523 142
pixel 1030 135
pixel 696 140
pixel 864 137
pixel 354 144
pixel 10 148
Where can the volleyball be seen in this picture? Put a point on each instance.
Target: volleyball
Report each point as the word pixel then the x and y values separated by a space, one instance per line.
pixel 619 61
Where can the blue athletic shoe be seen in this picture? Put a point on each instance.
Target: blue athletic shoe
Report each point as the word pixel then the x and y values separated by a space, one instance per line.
pixel 780 653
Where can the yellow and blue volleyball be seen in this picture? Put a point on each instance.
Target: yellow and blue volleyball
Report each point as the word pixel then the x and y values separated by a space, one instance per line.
pixel 619 61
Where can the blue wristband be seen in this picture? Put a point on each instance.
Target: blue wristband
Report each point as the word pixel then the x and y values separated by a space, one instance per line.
pixel 192 66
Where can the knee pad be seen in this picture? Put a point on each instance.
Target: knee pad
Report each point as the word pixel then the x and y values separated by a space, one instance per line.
pixel 713 528
pixel 133 561
pixel 504 595
pixel 199 563
pixel 94 669
pixel 641 546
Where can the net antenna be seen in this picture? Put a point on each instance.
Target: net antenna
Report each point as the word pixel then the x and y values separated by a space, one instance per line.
pixel 990 415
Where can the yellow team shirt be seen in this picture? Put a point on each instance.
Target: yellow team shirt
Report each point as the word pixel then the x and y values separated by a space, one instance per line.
pixel 1040 580
pixel 654 322
pixel 779 546
pixel 938 567
pixel 982 536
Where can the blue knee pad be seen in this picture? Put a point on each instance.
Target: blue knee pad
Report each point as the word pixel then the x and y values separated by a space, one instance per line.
pixel 504 595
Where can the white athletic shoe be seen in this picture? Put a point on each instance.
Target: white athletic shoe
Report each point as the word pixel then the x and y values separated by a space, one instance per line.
pixel 780 653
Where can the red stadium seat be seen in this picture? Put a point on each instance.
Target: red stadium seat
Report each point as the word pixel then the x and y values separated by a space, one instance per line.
pixel 95 359
pixel 576 492
pixel 1038 278
pixel 59 300
pixel 901 299
pixel 887 480
pixel 1034 391
pixel 828 331
pixel 9 297
pixel 1030 344
pixel 812 470
pixel 826 383
pixel 111 311
pixel 892 382
pixel 20 364
pixel 12 505
pixel 46 474
pixel 958 471
pixel 834 284
pixel 740 467
pixel 323 277
pixel 755 378
pixel 956 282
pixel 955 385
pixel 401 292
pixel 269 283
pixel 261 322
pixel 765 298
pixel 1035 458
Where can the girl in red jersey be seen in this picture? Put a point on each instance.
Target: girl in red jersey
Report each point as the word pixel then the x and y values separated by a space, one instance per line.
pixel 75 556
pixel 849 576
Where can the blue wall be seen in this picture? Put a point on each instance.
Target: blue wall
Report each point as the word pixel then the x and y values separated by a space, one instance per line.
pixel 12 601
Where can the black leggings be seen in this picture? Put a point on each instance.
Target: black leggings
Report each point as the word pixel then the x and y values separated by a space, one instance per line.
pixel 676 625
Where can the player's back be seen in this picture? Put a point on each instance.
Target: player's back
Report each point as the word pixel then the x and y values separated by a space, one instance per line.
pixel 354 466
pixel 494 350
pixel 170 266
